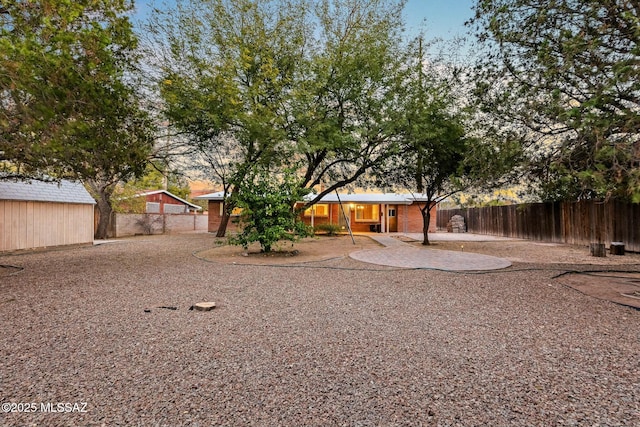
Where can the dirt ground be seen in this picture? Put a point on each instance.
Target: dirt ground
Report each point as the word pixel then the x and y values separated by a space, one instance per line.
pixel 335 342
pixel 320 248
pixel 524 251
pixel 311 249
pixel 613 278
pixel 609 278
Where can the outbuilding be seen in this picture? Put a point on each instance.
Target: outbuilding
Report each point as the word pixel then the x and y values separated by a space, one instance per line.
pixel 37 214
pixel 164 202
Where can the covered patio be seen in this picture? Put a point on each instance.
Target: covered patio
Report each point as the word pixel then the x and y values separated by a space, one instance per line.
pixel 370 212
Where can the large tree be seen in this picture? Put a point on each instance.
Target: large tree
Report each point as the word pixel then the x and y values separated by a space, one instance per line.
pixel 67 105
pixel 444 144
pixel 567 72
pixel 343 109
pixel 295 84
pixel 226 68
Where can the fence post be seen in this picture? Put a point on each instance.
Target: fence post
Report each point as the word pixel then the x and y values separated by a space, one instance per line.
pixel 596 247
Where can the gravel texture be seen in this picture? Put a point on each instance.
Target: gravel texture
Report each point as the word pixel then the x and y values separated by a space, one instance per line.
pixel 330 343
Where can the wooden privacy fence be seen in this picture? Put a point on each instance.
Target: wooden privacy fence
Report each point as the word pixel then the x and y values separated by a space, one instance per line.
pixel 578 223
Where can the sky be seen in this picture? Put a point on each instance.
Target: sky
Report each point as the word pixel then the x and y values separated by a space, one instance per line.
pixel 437 18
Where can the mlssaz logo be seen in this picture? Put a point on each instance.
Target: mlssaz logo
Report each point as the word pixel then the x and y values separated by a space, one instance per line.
pixel 80 407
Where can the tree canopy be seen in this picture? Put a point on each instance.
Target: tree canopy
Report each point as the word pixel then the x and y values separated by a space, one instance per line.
pixel 67 108
pixel 441 147
pixel 300 85
pixel 568 73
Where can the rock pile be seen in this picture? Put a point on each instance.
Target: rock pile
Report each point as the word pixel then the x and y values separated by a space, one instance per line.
pixel 456 225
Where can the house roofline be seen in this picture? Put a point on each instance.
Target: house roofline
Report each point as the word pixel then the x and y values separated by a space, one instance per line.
pixel 365 198
pixel 168 193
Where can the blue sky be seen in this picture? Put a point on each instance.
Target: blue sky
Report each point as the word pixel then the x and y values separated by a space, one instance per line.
pixel 437 18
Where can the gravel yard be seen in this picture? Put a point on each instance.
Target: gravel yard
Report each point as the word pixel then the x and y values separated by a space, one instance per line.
pixel 331 342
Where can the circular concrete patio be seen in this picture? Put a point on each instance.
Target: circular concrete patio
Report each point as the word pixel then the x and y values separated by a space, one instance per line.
pixel 397 253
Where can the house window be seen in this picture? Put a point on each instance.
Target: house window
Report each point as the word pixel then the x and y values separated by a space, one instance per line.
pixel 367 213
pixel 320 209
pixel 234 212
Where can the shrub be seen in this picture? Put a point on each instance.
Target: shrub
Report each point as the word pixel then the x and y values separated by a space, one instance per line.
pixel 268 215
pixel 330 229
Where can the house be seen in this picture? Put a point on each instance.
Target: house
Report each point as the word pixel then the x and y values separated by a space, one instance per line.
pixel 164 202
pixel 39 214
pixel 215 203
pixel 371 212
pixel 363 212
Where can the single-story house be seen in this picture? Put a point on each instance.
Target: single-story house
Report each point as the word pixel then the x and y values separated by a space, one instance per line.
pixel 164 202
pixel 363 212
pixel 39 214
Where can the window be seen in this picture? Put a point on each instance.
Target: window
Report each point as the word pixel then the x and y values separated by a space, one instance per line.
pixel 367 213
pixel 320 209
pixel 392 213
pixel 235 212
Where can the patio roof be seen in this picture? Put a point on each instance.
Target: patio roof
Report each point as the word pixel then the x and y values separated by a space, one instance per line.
pixel 365 198
pixel 218 195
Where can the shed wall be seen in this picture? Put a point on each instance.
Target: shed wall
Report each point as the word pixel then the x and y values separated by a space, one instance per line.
pixel 27 225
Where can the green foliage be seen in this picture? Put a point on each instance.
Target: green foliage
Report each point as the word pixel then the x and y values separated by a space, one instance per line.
pixel 567 72
pixel 67 108
pixel 156 177
pixel 153 179
pixel 268 213
pixel 329 229
pixel 295 84
pixel 125 201
pixel 63 103
pixel 438 152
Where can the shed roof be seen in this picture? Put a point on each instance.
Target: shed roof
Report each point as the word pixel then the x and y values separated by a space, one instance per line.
pixel 40 191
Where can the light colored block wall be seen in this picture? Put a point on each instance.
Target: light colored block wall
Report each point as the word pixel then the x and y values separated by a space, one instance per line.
pixel 28 225
pixel 185 222
pixel 136 224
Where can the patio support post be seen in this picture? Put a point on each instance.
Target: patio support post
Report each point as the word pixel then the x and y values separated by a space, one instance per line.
pixel 383 219
pixel 386 217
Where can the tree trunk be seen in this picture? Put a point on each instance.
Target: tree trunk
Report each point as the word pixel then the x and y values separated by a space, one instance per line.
pixel 426 219
pixel 226 213
pixel 105 216
pixel 222 229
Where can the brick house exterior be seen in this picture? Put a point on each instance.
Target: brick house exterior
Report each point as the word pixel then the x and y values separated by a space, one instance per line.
pixel 371 212
pixel 365 212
